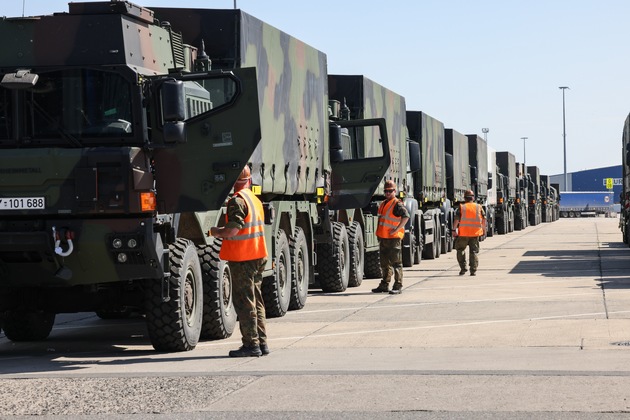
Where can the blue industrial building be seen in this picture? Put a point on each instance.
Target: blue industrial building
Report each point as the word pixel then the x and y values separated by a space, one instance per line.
pixel 591 180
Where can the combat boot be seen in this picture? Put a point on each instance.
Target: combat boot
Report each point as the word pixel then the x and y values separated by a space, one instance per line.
pixel 246 351
pixel 382 288
pixel 396 289
pixel 462 271
pixel 264 349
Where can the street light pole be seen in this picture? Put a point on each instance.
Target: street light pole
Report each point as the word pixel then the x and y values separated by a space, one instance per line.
pixel 524 160
pixel 564 138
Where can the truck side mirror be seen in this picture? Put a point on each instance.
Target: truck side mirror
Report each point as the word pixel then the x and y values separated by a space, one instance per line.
pixel 336 148
pixel 414 156
pixel 174 111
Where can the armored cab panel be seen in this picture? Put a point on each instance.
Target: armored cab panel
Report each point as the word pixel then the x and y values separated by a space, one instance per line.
pixel 76 39
pixel 507 165
pixel 293 155
pixel 492 176
pixel 478 152
pixel 458 175
pixel 430 184
pixel 366 99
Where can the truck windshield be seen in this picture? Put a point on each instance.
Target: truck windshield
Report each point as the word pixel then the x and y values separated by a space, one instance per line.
pixel 67 106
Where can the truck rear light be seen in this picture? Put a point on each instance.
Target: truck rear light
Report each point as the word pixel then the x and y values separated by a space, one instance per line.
pixel 147 201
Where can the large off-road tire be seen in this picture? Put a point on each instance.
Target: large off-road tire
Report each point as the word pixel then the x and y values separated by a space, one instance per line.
pixel 219 315
pixel 501 226
pixel 518 223
pixel 175 325
pixel 444 240
pixel 438 244
pixel 373 265
pixel 417 250
pixel 429 249
pixel 408 244
pixel 333 261
pixel 491 224
pixel 301 269
pixel 27 325
pixel 276 290
pixel 357 254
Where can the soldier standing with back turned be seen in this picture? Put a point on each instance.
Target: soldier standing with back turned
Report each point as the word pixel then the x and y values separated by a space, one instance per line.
pixel 392 217
pixel 245 250
pixel 470 224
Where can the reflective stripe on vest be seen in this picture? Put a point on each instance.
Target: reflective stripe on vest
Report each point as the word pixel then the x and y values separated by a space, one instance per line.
pixel 249 242
pixel 470 221
pixel 387 221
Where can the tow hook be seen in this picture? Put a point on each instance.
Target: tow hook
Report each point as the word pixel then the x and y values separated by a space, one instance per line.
pixel 68 236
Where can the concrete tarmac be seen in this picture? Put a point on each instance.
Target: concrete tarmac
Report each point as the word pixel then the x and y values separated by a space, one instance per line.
pixel 542 331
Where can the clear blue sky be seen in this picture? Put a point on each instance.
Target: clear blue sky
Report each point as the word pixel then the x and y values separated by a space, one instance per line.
pixel 471 64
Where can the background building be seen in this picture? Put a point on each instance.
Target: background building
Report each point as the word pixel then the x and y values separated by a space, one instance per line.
pixel 591 180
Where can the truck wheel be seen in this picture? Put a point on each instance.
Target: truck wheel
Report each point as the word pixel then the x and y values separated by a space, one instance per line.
pixel 444 240
pixel 373 265
pixel 518 223
pixel 438 238
pixel 333 261
pixel 407 249
pixel 417 249
pixel 357 251
pixel 501 226
pixel 27 325
pixel 300 269
pixel 490 226
pixel 219 315
pixel 429 250
pixel 276 290
pixel 175 325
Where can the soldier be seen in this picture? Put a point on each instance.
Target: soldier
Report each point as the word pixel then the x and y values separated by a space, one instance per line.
pixel 245 250
pixel 392 217
pixel 470 224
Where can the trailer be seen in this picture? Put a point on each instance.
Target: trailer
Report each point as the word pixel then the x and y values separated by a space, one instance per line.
pixel 586 203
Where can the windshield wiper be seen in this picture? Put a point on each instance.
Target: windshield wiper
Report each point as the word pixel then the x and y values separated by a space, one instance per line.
pixel 58 127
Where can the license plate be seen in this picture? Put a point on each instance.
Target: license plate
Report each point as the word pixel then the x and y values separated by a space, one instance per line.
pixel 22 203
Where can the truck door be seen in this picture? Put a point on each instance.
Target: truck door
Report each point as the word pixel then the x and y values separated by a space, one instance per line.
pixel 204 128
pixel 360 157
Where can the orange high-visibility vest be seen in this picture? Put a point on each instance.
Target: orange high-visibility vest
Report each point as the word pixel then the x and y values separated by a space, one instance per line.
pixel 249 242
pixel 470 221
pixel 387 221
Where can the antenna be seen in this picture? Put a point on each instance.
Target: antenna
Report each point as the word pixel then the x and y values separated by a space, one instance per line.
pixel 23 5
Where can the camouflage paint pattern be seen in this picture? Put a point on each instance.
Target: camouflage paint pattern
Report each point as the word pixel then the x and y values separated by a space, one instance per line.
pixel 507 165
pixel 84 179
pixel 368 99
pixel 429 132
pixel 457 146
pixel 478 152
pixel 293 156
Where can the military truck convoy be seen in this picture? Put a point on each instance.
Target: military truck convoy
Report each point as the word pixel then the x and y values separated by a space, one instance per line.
pixel 120 144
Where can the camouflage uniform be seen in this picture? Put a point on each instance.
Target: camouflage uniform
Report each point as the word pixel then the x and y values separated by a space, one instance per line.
pixel 390 253
pixel 461 242
pixel 246 284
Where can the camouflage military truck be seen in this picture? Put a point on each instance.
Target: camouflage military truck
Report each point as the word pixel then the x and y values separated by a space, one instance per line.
pixel 364 98
pixel 492 191
pixel 506 162
pixel 429 184
pixel 534 201
pixel 520 203
pixel 479 170
pixel 457 175
pixel 549 196
pixel 310 162
pixel 555 192
pixel 111 151
pixel 119 147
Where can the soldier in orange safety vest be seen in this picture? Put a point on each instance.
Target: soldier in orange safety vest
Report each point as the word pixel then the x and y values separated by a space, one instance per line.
pixel 244 248
pixel 470 224
pixel 392 217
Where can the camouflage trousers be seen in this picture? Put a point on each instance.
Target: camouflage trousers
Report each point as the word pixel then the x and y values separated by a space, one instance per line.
pixel 390 253
pixel 248 300
pixel 461 242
